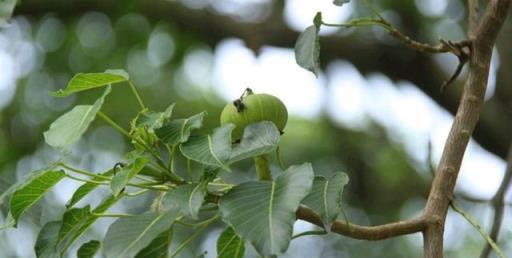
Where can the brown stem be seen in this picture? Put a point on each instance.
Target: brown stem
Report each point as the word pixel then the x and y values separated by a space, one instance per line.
pixel 366 232
pixel 462 127
pixel 353 230
pixel 472 17
pixel 499 205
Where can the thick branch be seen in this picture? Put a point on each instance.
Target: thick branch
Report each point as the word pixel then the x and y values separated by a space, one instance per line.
pixel 462 127
pixel 366 232
pixel 499 205
pixel 472 17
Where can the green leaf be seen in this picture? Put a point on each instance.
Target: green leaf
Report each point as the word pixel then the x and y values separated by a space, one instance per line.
pixel 71 221
pixel 264 212
pixel 129 171
pixel 69 127
pixel 212 150
pixel 45 243
pixel 89 249
pixel 325 197
pixel 6 10
pixel 24 181
pixel 340 2
pixel 188 199
pixel 154 120
pixel 127 236
pixel 87 81
pixel 178 131
pixel 26 196
pixel 56 237
pixel 258 138
pixel 230 245
pixel 85 189
pixel 307 49
pixel 159 247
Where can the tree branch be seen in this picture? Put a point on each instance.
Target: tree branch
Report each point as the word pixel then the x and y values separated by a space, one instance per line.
pixel 463 125
pixel 472 17
pixel 499 205
pixel 366 232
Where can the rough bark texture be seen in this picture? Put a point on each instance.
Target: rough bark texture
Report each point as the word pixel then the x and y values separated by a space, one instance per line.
pixel 463 125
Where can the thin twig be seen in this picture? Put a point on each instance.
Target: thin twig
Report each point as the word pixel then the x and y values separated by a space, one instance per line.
pixel 456 207
pixel 499 205
pixel 442 47
pixel 137 96
pixel 455 47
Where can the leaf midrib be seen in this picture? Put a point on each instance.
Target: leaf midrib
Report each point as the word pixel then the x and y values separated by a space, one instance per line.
pixel 141 235
pixel 270 206
pixel 227 244
pixel 326 210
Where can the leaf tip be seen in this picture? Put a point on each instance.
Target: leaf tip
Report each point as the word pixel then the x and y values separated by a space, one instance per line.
pixel 317 21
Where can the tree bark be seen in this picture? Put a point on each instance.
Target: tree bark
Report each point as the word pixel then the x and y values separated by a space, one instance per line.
pixel 441 193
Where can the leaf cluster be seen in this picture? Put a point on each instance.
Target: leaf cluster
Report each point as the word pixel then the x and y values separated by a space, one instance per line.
pixel 258 212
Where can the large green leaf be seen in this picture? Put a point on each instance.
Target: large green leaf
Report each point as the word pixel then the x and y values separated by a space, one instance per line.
pixel 264 212
pixel 307 49
pixel 45 243
pixel 86 188
pixel 258 138
pixel 188 199
pixel 212 150
pixel 24 181
pixel 127 236
pixel 154 120
pixel 89 249
pixel 56 237
pixel 87 81
pixel 230 245
pixel 159 247
pixel 129 171
pixel 69 127
pixel 71 221
pixel 51 244
pixel 178 131
pixel 325 197
pixel 32 191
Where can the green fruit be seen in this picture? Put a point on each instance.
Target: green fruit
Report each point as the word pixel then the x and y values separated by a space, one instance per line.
pixel 254 108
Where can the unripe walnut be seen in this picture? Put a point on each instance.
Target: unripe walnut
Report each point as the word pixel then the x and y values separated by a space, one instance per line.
pixel 253 108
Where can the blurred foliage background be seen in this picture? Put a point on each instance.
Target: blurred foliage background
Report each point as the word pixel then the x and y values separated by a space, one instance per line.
pixel 178 51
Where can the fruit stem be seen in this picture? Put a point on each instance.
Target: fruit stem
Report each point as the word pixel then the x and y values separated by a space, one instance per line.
pixel 262 168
